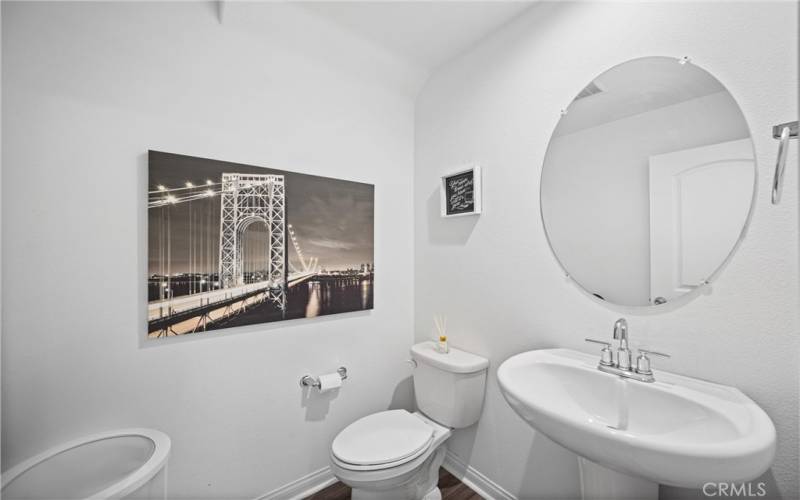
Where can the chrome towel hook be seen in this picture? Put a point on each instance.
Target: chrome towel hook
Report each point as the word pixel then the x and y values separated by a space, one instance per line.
pixel 783 132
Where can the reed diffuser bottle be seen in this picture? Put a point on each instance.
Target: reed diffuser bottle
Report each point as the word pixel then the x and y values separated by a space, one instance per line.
pixel 441 327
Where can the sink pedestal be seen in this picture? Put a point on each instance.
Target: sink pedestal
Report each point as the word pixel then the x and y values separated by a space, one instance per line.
pixel 600 483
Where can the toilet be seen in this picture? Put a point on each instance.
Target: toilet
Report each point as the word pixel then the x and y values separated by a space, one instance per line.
pixel 396 454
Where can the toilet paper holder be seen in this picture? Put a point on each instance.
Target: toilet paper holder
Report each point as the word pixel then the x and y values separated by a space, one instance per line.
pixel 309 381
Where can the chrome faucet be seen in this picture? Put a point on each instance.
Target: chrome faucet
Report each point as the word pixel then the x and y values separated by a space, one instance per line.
pixel 623 353
pixel 622 366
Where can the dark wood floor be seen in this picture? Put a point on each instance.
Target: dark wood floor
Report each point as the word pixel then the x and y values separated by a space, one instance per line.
pixel 452 489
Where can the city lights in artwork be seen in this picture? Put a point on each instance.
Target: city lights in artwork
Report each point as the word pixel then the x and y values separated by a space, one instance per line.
pixel 232 244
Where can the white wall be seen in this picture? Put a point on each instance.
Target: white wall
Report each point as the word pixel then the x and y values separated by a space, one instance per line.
pixel 88 88
pixel 494 275
pixel 597 183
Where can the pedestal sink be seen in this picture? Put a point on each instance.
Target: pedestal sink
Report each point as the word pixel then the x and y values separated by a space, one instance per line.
pixel 633 435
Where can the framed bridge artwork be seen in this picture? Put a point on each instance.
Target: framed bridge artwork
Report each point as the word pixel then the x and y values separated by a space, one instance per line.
pixel 232 245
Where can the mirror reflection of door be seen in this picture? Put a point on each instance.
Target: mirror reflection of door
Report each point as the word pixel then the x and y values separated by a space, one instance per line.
pixel 699 202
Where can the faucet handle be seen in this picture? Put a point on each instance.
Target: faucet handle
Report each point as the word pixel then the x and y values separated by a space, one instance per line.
pixel 606 355
pixel 643 362
pixel 654 353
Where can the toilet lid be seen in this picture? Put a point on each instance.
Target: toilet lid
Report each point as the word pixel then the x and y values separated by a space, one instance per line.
pixel 381 438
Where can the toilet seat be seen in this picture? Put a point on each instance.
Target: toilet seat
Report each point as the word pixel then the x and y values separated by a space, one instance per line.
pixel 382 440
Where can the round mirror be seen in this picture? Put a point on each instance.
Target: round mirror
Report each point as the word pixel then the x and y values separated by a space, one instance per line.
pixel 648 182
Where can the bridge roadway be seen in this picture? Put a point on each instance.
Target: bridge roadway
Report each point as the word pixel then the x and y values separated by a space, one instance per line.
pixel 165 313
pixel 188 312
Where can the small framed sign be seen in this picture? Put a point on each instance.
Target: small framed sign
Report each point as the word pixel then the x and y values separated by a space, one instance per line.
pixel 461 192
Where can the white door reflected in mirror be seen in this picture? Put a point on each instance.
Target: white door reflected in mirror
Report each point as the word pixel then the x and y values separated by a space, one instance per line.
pixel 699 203
pixel 648 182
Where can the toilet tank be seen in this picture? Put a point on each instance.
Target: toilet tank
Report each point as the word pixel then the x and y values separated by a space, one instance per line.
pixel 449 387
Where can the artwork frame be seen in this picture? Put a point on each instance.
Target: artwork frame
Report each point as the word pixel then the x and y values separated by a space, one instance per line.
pixel 232 244
pixel 460 192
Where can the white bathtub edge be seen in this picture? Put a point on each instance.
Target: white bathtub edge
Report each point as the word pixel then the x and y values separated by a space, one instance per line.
pixel 129 484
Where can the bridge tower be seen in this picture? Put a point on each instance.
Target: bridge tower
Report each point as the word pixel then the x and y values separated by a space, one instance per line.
pixel 248 199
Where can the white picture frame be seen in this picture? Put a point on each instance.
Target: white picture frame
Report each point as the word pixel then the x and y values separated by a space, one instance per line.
pixel 460 192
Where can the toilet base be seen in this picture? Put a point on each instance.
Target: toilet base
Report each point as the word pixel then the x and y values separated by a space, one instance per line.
pixel 421 485
pixel 434 494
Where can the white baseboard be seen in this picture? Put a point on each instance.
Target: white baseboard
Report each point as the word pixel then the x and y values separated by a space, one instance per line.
pixel 322 478
pixel 477 482
pixel 303 487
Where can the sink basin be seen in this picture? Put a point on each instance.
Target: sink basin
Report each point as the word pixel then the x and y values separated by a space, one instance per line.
pixel 677 430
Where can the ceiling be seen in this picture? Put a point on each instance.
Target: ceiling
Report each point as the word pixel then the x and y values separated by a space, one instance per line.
pixel 425 34
pixel 636 87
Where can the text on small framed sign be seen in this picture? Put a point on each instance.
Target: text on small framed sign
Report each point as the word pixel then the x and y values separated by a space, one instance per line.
pixel 461 192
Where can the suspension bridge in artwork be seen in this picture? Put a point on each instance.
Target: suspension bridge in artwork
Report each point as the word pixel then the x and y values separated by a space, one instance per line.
pixel 243 271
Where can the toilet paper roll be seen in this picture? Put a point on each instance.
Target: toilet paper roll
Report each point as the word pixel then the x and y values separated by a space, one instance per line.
pixel 329 382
